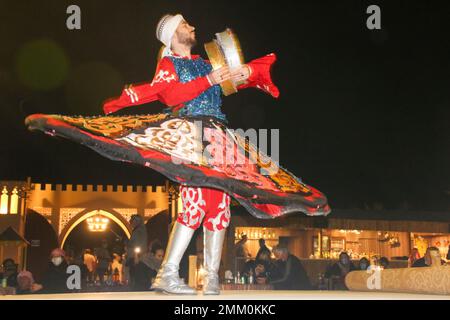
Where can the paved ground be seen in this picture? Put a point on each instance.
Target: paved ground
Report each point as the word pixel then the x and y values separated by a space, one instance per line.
pixel 235 295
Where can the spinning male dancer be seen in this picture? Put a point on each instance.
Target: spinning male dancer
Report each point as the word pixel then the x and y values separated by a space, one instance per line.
pixel 189 86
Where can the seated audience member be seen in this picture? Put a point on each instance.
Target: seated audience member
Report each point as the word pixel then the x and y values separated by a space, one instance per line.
pixel 261 273
pixel 413 257
pixel 55 278
pixel 26 284
pixel 269 265
pixel 9 273
pixel 156 256
pixel 337 272
pixel 384 262
pixel 292 274
pixel 364 263
pixel 431 258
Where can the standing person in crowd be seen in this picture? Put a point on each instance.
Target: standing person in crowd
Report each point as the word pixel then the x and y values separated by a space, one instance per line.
pixel 78 261
pixel 26 284
pixel 432 258
pixel 137 244
pixel 142 273
pixel 337 272
pixel 55 278
pixel 9 273
pixel 448 253
pixel 242 255
pixel 241 250
pixel 293 275
pixel 90 262
pixel 103 260
pixel 413 257
pixel 263 249
pixel 156 255
pixel 364 263
pixel 117 268
pixel 125 266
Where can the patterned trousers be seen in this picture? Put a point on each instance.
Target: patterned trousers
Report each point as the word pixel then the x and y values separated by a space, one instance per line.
pixel 210 206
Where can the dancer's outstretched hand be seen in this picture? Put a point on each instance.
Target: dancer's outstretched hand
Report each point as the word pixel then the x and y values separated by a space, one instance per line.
pixel 220 75
pixel 241 74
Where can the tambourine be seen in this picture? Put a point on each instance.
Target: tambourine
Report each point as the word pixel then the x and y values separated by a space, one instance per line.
pixel 226 50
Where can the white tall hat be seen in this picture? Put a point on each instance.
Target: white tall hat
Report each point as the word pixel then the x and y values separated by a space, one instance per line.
pixel 165 30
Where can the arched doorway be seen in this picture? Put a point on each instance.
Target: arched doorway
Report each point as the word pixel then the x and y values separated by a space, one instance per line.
pixel 80 233
pixel 157 227
pixel 43 240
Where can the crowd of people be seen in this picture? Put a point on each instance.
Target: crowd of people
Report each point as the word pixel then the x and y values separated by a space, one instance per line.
pixel 136 268
pixel 100 267
pixel 285 271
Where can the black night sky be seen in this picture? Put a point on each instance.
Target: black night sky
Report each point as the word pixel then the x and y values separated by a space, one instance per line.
pixel 363 115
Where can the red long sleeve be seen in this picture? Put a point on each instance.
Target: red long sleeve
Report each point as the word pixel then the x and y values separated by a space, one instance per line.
pixel 165 87
pixel 260 77
pixel 177 93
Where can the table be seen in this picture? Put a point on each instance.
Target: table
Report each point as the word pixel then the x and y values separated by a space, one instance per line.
pixel 314 267
pixel 238 286
pixel 7 291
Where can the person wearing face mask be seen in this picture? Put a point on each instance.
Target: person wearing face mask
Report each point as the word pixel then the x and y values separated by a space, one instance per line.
pixel 55 278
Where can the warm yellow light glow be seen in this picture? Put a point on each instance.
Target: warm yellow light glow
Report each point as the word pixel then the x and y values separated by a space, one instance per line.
pixel 357 232
pixel 110 216
pixel 14 202
pixel 97 223
pixel 200 276
pixel 255 233
pixel 4 202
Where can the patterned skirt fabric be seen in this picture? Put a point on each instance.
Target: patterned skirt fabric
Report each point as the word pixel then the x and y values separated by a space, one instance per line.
pixel 193 151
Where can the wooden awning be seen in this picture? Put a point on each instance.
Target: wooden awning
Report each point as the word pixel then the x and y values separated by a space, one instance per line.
pixel 385 225
pixel 10 235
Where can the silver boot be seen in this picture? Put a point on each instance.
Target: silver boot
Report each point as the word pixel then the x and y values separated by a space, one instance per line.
pixel 168 280
pixel 212 244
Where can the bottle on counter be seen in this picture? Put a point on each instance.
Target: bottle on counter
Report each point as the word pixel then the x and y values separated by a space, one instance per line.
pixel 321 283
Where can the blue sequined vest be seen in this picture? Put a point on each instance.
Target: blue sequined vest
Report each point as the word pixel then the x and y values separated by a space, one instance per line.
pixel 206 104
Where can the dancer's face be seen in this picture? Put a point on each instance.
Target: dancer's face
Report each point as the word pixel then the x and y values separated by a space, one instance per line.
pixel 185 34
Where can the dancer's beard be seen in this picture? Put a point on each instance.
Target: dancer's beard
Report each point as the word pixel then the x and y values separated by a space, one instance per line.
pixel 188 41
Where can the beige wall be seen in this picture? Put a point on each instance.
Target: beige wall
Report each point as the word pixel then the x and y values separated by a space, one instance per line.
pixel 60 206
